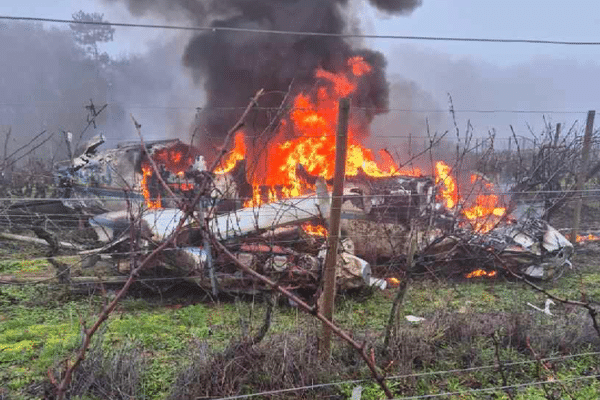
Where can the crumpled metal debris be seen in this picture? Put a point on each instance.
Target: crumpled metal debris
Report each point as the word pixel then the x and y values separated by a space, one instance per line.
pixel 413 319
pixel 351 272
pixel 97 181
pixel 157 224
pixel 286 265
pixel 530 247
pixel 294 210
pixel 377 213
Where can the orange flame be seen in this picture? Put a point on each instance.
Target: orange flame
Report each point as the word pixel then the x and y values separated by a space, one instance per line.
pixel 359 66
pixel 587 238
pixel 151 201
pixel 481 273
pixel 315 230
pixel 306 141
pixel 312 125
pixel 485 214
pixel 175 160
pixel 393 282
pixel 236 154
pixel 449 194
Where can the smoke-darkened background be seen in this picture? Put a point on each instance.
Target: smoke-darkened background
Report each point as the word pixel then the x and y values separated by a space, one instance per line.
pixel 232 66
pixel 46 78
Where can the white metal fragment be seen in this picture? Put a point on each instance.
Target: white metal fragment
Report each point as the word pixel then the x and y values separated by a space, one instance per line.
pixel 413 319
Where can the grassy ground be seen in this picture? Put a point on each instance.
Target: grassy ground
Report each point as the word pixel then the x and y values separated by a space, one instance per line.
pixel 179 347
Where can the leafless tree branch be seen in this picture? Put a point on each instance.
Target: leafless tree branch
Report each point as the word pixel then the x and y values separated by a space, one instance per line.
pixel 313 310
pixel 188 210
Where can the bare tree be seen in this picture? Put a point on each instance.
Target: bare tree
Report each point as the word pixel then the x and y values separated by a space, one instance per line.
pixel 89 31
pixel 137 266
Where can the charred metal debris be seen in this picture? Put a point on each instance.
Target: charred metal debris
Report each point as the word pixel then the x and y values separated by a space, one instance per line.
pixel 283 238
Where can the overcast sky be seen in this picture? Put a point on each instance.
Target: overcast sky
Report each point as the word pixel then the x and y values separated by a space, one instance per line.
pixel 538 19
pixel 477 75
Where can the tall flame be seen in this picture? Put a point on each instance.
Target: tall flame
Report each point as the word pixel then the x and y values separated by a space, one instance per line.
pixel 449 190
pixel 312 126
pixel 236 154
pixel 152 201
pixel 303 147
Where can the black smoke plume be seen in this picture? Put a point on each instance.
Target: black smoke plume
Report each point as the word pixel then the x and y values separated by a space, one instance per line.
pixel 232 66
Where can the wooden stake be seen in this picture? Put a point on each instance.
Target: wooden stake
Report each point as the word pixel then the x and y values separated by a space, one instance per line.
pixel 5 157
pixel 557 135
pixel 334 225
pixel 581 175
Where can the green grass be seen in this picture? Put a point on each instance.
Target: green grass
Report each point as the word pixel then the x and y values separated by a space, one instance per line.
pixel 33 336
pixel 20 267
pixel 38 330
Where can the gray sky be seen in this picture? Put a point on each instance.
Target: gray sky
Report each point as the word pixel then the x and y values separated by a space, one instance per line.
pixel 477 75
pixel 539 19
pixel 535 19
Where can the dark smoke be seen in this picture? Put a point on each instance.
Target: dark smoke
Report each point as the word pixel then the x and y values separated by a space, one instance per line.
pixel 232 66
pixel 396 6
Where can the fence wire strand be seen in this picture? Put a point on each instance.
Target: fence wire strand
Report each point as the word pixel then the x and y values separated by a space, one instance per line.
pixel 427 374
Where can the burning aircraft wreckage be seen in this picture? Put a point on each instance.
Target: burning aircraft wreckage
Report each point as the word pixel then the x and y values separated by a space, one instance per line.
pixel 281 230
pixel 270 205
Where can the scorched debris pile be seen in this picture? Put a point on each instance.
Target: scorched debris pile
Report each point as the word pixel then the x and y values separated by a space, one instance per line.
pixel 270 203
pixel 284 236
